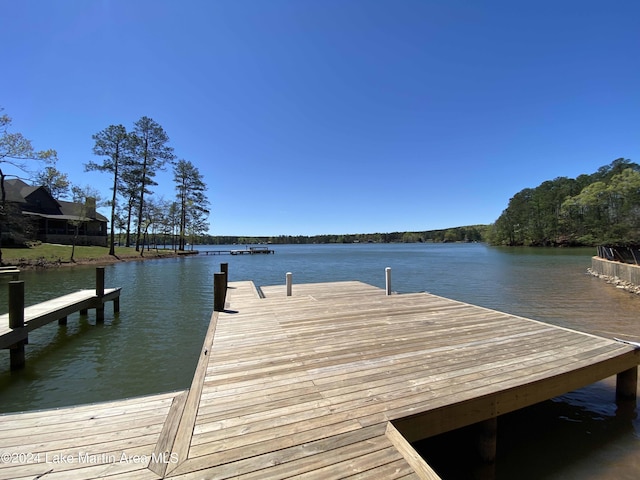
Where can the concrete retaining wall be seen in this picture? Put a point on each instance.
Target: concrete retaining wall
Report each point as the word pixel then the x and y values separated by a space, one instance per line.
pixel 624 271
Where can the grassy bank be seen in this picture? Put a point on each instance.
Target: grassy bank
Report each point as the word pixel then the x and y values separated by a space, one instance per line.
pixel 50 255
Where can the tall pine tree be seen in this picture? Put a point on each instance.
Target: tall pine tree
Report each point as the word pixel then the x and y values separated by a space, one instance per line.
pixel 192 201
pixel 151 153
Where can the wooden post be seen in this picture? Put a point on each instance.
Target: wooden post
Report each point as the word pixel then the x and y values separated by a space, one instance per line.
pixel 387 275
pixel 100 294
pixel 224 268
pixel 100 281
pixel 487 439
pixel 219 293
pixel 16 320
pixel 62 321
pixel 626 385
pixel 289 280
pixel 116 305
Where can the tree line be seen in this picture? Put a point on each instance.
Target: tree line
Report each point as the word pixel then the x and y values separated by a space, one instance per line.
pixel 474 233
pixel 592 209
pixel 132 159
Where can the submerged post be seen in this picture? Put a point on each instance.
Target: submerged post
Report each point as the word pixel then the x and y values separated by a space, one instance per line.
pixel 219 291
pixel 16 321
pixel 100 294
pixel 289 283
pixel 387 276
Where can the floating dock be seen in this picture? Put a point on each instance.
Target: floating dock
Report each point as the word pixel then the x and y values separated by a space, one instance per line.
pixel 334 381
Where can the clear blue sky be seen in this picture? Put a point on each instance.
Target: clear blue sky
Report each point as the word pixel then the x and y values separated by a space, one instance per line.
pixel 334 116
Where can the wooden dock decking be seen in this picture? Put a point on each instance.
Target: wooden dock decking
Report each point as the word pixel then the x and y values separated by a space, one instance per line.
pixel 10 271
pixel 49 311
pixel 332 382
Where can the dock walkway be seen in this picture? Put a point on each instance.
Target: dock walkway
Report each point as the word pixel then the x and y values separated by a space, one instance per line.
pixel 46 312
pixel 332 382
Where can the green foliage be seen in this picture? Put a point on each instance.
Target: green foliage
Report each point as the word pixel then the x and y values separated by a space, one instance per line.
pixel 15 151
pixel 150 153
pixel 473 233
pixel 115 145
pixel 192 201
pixel 53 180
pixel 603 207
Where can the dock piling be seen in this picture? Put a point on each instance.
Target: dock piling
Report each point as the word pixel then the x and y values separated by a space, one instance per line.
pixel 224 268
pixel 487 439
pixel 16 321
pixel 387 276
pixel 289 281
pixel 219 291
pixel 100 294
pixel 627 385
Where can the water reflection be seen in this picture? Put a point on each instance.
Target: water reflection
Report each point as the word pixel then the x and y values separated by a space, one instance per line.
pixel 571 437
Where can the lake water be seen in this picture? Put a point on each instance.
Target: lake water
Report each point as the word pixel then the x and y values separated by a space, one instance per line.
pixel 153 344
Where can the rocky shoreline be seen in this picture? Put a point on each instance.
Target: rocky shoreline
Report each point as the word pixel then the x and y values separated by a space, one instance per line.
pixel 617 282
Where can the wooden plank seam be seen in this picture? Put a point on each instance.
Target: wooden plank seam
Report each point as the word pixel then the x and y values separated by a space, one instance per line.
pixel 184 430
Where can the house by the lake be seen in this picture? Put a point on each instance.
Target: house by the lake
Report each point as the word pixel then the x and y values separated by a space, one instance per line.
pixel 33 214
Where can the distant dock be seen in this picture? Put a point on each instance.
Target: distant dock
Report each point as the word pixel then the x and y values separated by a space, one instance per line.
pixel 245 251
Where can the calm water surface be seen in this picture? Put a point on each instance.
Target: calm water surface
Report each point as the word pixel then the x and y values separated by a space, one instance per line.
pixel 153 344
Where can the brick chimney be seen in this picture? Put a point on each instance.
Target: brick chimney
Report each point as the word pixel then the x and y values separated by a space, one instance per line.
pixel 90 207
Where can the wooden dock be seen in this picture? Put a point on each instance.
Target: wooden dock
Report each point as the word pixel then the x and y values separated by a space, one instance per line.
pixel 10 271
pixel 36 316
pixel 16 325
pixel 334 381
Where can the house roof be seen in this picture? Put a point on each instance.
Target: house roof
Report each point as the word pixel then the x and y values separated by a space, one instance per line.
pixel 17 191
pixel 78 210
pixel 30 198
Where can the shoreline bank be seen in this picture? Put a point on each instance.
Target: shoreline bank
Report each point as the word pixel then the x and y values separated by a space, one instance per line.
pixel 624 276
pixel 43 263
pixel 616 282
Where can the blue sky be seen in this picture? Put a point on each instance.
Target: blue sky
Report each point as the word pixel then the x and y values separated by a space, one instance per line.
pixel 321 116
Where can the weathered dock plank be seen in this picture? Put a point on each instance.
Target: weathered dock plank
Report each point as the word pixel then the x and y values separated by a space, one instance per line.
pixel 333 381
pixel 343 355
pixel 87 441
